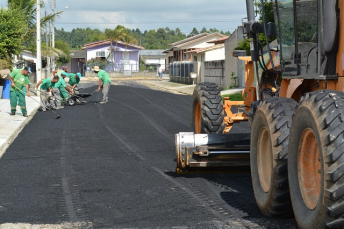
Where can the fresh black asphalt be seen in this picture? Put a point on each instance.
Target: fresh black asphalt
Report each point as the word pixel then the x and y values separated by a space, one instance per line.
pixel 113 166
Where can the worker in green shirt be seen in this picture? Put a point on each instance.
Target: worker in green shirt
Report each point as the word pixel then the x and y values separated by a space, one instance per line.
pixel 74 80
pixel 45 90
pixel 19 80
pixel 59 90
pixel 104 82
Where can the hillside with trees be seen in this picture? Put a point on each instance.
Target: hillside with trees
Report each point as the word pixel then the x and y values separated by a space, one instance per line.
pixel 151 39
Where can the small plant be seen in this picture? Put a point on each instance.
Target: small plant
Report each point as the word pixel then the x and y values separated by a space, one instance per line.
pixel 142 67
pixel 244 45
pixel 234 80
pixel 234 97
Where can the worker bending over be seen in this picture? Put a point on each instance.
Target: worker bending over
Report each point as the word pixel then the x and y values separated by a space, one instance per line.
pixel 59 90
pixel 104 82
pixel 73 82
pixel 45 90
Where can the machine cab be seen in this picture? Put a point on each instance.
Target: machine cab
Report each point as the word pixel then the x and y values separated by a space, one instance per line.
pixel 307 36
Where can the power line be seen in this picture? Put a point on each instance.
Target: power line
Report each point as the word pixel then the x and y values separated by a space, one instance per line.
pixel 51 8
pixel 140 23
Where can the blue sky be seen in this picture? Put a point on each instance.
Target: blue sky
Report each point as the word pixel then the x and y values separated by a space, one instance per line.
pixel 149 14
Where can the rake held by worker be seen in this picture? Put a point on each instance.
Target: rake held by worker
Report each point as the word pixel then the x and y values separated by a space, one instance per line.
pixel 57 115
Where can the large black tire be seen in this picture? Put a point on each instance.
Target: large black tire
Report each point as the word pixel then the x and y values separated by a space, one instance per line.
pixel 207 109
pixel 269 147
pixel 316 160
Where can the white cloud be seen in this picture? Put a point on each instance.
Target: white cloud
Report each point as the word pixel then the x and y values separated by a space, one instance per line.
pixel 148 14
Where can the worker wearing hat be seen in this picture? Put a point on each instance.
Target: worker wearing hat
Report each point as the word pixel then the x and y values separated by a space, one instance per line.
pixel 19 79
pixel 104 82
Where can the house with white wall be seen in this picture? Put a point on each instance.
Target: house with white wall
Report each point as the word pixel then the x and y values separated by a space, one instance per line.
pixel 154 57
pixel 182 61
pixel 178 49
pixel 234 66
pixel 215 63
pixel 209 63
pixel 124 57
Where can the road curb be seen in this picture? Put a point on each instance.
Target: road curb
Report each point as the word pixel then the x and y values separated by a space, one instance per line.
pixel 232 91
pixel 14 135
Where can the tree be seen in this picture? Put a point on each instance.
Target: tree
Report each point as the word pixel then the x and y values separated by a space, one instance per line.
pixel 178 32
pixel 12 29
pixel 204 30
pixel 193 32
pixel 95 35
pixel 129 39
pixel 268 10
pixel 269 17
pixel 150 40
pixel 213 30
pixel 116 34
pixel 28 10
pixel 227 33
pixel 65 56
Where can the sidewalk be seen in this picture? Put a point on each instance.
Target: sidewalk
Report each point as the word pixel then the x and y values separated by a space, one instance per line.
pixel 181 88
pixel 164 84
pixel 11 126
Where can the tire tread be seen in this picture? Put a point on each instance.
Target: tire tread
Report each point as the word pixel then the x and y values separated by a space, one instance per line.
pixel 212 112
pixel 328 110
pixel 279 113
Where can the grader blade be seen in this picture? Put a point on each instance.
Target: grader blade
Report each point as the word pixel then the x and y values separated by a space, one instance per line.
pixel 198 153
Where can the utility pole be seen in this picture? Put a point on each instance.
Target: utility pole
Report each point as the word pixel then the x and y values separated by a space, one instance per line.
pixel 50 43
pixel 39 56
pixel 47 34
pixel 53 36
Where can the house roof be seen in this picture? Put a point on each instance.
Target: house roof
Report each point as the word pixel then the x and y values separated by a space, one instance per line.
pixel 168 50
pixel 189 39
pixel 78 54
pixel 209 48
pixel 152 52
pixel 97 43
pixel 220 40
pixel 197 39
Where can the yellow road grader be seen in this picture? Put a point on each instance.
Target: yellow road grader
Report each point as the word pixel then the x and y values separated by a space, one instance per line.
pixel 294 104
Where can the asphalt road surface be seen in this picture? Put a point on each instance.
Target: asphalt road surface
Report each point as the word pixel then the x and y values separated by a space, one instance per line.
pixel 113 166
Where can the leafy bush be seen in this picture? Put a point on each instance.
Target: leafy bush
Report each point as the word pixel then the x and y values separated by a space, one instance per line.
pixel 244 45
pixel 97 61
pixel 12 28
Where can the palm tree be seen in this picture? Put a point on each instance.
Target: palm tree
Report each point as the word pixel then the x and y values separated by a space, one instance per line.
pixel 50 51
pixel 28 8
pixel 114 35
pixel 129 39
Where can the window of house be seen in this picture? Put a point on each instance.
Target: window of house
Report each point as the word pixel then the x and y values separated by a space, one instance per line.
pixel 100 54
